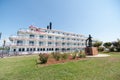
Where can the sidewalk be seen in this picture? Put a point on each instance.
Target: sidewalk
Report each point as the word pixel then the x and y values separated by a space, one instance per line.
pixel 99 55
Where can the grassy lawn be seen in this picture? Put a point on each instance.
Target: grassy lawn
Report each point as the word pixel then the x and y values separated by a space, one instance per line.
pixel 24 68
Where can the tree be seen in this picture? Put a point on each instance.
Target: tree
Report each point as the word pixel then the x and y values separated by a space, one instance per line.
pixel 116 45
pixel 107 45
pixel 97 44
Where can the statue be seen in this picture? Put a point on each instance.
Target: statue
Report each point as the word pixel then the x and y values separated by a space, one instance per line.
pixel 89 41
pixel 89 50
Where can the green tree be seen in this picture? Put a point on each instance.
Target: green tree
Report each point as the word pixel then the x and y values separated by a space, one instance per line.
pixel 107 45
pixel 97 44
pixel 116 45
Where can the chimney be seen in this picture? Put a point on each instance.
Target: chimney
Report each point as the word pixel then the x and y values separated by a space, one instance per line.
pixel 47 27
pixel 50 26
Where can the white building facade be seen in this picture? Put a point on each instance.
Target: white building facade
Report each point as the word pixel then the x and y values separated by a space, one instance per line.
pixel 41 40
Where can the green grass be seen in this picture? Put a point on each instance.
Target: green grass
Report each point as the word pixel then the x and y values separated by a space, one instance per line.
pixel 24 68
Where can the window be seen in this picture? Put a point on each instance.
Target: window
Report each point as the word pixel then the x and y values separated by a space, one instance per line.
pixel 34 49
pixel 49 49
pixel 68 44
pixel 19 49
pixel 82 44
pixel 49 37
pixel 23 49
pixel 40 43
pixel 32 36
pixel 49 43
pixel 56 44
pixel 38 49
pixel 43 49
pixel 68 38
pixel 31 43
pixel 63 44
pixel 14 50
pixel 41 36
pixel 19 42
pixel 56 49
pixel 30 49
pixel 58 32
pixel 57 38
pixel 63 38
pixel 27 49
pixel 74 44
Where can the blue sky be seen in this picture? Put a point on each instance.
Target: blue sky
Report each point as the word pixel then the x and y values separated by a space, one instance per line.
pixel 100 18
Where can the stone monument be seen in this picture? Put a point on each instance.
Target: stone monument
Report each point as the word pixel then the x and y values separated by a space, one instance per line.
pixel 89 50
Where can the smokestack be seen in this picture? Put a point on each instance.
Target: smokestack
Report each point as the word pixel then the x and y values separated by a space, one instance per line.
pixel 47 27
pixel 50 26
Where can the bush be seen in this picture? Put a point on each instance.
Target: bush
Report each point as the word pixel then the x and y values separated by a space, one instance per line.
pixel 112 49
pixel 56 56
pixel 64 56
pixel 106 50
pixel 43 58
pixel 74 55
pixel 81 54
pixel 100 49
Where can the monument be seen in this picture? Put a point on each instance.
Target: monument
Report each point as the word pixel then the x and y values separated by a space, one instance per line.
pixel 89 50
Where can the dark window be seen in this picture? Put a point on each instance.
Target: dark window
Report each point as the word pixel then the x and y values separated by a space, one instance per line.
pixel 30 49
pixel 27 49
pixel 40 43
pixel 19 42
pixel 49 37
pixel 31 43
pixel 31 36
pixel 49 43
pixel 43 49
pixel 47 49
pixel 23 49
pixel 34 49
pixel 19 49
pixel 52 49
pixel 41 36
pixel 38 49
pixel 14 50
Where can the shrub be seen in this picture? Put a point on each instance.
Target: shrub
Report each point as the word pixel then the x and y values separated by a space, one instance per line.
pixel 112 49
pixel 56 56
pixel 64 56
pixel 106 50
pixel 43 58
pixel 100 49
pixel 81 54
pixel 74 55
